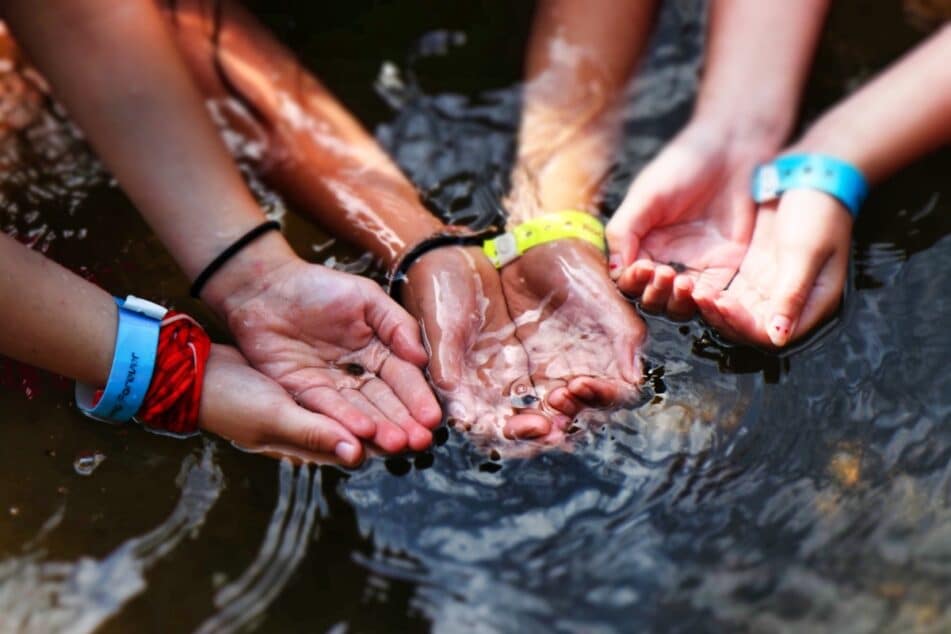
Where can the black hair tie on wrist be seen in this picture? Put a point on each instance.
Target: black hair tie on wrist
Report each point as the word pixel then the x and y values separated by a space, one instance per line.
pixel 230 252
pixel 452 236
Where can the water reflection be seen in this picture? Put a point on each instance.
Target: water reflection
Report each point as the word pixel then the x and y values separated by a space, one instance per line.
pixel 745 492
pixel 37 595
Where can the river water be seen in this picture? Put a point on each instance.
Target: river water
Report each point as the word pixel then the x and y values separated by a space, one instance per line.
pixel 747 492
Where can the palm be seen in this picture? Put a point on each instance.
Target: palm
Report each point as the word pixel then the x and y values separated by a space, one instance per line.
pixel 580 335
pixel 699 249
pixel 326 337
pixel 477 364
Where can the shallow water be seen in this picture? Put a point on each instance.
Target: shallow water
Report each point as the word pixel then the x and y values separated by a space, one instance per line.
pixel 748 492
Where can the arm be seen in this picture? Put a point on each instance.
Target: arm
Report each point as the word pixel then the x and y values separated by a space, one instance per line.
pixel 58 321
pixel 690 206
pixel 579 59
pixel 793 275
pixel 116 68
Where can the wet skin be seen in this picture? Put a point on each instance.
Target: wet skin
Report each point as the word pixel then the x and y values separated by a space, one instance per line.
pixel 497 343
pixel 550 330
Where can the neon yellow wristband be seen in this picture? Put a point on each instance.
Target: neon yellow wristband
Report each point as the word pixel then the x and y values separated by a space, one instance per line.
pixel 542 230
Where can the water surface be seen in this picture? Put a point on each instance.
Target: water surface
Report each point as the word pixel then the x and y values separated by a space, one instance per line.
pixel 748 492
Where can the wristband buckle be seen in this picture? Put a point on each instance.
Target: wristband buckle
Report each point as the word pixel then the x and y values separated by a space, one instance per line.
pixel 568 223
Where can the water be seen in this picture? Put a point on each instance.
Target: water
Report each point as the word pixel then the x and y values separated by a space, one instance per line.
pixel 748 492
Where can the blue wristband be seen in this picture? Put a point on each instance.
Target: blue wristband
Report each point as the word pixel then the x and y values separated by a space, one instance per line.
pixel 835 177
pixel 132 365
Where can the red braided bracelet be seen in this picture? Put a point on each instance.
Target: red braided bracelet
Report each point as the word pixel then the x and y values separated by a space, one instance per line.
pixel 174 396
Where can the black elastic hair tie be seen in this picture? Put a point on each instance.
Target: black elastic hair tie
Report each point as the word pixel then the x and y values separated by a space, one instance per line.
pixel 227 254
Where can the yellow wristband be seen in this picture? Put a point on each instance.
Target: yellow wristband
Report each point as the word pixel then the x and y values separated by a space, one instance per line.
pixel 542 230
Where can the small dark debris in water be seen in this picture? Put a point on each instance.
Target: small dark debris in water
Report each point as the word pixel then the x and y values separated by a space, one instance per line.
pixel 678 267
pixel 684 330
pixel 354 369
pixel 87 461
pixel 398 466
pixel 490 467
pixel 659 386
pixel 523 400
pixel 657 400
pixel 573 429
pixel 424 461
pixel 495 456
pixel 440 436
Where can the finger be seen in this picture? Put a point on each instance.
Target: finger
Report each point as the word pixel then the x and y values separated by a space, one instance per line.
pixel 409 386
pixel 395 327
pixel 295 426
pixel 798 270
pixel 654 298
pixel 329 402
pixel 378 393
pixel 680 303
pixel 596 392
pixel 525 425
pixel 389 437
pixel 563 400
pixel 706 301
pixel 636 277
pixel 740 322
pixel 826 294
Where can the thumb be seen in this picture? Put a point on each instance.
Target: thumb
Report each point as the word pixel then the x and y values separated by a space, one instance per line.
pixel 798 270
pixel 394 327
pixel 633 218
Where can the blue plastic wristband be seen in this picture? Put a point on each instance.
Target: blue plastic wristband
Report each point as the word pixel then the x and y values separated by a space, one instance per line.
pixel 132 365
pixel 835 177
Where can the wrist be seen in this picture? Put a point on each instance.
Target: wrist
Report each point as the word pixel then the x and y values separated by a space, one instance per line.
pixel 246 273
pixel 765 126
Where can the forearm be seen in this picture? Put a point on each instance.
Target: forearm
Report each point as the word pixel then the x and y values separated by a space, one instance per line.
pixel 900 115
pixel 53 318
pixel 314 151
pixel 757 59
pixel 579 59
pixel 117 71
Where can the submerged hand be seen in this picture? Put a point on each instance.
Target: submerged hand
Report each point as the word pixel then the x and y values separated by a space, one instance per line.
pixel 341 347
pixel 792 276
pixel 581 336
pixel 244 406
pixel 690 211
pixel 477 364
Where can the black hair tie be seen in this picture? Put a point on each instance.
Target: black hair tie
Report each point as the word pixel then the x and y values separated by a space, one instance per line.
pixel 230 252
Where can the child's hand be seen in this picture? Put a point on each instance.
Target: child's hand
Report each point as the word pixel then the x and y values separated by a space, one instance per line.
pixel 341 347
pixel 690 210
pixel 792 276
pixel 477 363
pixel 244 406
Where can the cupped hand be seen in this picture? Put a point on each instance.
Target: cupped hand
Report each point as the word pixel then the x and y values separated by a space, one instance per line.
pixel 580 334
pixel 477 364
pixel 253 411
pixel 687 218
pixel 342 348
pixel 792 276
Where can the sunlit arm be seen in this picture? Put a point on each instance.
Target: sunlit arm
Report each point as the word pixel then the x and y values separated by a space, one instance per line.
pixel 901 115
pixel 115 67
pixel 314 151
pixel 579 59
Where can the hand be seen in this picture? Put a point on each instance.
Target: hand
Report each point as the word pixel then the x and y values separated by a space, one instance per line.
pixel 340 346
pixel 476 362
pixel 690 211
pixel 792 276
pixel 581 336
pixel 244 406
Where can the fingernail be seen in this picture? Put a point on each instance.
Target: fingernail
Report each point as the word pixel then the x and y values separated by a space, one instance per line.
pixel 614 261
pixel 779 330
pixel 346 452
